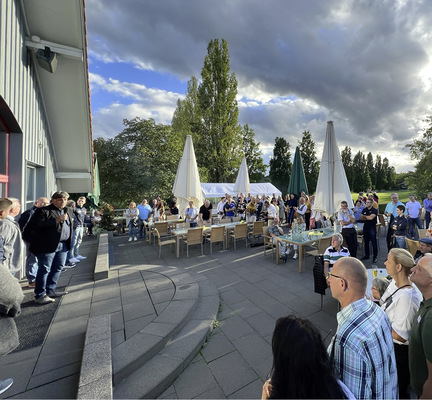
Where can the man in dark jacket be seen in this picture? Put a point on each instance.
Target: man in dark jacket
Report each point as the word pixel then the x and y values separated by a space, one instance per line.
pixel 50 242
pixel 31 262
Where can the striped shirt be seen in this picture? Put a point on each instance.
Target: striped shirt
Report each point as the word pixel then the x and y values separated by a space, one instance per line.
pixel 332 255
pixel 362 351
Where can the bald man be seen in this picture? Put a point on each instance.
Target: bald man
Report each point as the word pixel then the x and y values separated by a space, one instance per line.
pixel 420 345
pixel 362 350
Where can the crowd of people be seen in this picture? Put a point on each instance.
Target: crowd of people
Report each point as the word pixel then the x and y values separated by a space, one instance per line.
pixel 48 236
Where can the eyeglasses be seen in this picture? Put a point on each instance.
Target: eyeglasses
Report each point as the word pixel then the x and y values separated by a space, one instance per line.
pixel 338 277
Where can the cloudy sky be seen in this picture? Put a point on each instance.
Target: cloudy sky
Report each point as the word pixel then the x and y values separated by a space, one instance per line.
pixel 364 64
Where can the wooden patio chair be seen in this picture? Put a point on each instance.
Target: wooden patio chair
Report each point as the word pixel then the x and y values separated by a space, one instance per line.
pixel 412 245
pixel 162 243
pixel 422 233
pixel 256 231
pixel 194 236
pixel 240 232
pixel 162 228
pixel 268 241
pixel 383 221
pixel 217 234
pixel 322 247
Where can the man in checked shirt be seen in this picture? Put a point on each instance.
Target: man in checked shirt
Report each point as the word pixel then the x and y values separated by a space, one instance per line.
pixel 362 350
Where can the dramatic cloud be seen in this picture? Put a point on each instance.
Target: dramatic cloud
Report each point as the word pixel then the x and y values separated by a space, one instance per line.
pixel 364 64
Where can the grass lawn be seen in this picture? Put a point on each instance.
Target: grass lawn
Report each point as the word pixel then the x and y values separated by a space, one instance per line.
pixel 385 197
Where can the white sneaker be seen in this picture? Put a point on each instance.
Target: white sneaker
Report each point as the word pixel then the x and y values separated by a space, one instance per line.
pixel 130 239
pixel 135 238
pixel 295 256
pixel 78 257
pixel 74 260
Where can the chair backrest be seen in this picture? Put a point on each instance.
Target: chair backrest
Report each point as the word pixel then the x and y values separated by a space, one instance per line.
pixel 257 227
pixel 195 236
pixel 236 219
pixel 381 219
pixel 240 231
pixel 225 221
pixel 265 232
pixel 217 234
pixel 171 217
pixel 413 246
pixel 323 244
pixel 422 233
pixel 162 227
pixel 320 283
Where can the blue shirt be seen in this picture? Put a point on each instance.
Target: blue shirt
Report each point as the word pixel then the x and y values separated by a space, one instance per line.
pixel 391 208
pixel 427 204
pixel 144 211
pixel 362 351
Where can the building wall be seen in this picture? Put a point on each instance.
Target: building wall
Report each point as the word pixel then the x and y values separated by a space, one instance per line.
pixel 30 151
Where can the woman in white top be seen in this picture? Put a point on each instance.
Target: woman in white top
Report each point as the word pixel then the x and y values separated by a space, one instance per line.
pixel 191 215
pixel 400 301
pixel 132 214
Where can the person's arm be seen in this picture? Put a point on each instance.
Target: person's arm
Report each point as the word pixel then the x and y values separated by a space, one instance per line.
pixel 267 390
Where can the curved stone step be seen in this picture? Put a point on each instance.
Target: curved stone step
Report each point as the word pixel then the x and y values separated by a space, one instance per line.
pixel 157 374
pixel 131 354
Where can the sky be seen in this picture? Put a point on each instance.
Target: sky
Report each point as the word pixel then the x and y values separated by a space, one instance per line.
pixel 364 64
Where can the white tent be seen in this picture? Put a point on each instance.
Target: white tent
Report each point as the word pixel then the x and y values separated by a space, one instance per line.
pixel 332 186
pixel 187 185
pixel 242 184
pixel 219 189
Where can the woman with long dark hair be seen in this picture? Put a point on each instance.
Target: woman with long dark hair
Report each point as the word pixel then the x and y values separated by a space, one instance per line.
pixel 301 367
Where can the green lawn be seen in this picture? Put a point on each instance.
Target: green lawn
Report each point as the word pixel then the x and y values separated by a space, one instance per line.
pixel 385 197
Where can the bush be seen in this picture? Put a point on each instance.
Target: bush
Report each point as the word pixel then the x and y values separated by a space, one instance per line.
pixel 107 219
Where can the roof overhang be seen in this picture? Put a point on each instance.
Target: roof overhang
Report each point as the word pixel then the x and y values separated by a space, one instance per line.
pixel 60 25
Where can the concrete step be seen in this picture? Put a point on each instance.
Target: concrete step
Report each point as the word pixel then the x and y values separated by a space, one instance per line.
pixel 177 337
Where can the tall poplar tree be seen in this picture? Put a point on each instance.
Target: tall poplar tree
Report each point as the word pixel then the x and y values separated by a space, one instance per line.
pixel 280 164
pixel 348 165
pixel 220 138
pixel 311 164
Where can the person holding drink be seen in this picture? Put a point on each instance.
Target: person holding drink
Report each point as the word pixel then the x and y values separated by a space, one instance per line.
pixel 400 302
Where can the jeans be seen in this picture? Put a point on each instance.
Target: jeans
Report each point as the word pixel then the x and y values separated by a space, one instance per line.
pixel 400 242
pixel 76 242
pixel 49 269
pixel 291 216
pixel 31 266
pixel 141 228
pixel 427 219
pixel 133 230
pixel 412 222
pixel 369 235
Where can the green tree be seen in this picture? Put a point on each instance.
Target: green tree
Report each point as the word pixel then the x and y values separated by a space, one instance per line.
pixel 254 160
pixel 280 164
pixel 139 162
pixel 381 177
pixel 311 165
pixel 371 168
pixel 348 164
pixel 361 177
pixel 220 139
pixel 390 174
pixel 421 150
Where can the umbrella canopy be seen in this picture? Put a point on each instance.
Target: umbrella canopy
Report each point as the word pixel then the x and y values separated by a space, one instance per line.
pixel 332 186
pixel 297 183
pixel 242 184
pixel 187 184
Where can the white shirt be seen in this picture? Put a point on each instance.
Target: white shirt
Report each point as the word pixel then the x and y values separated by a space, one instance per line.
pixel 191 213
pixel 220 206
pixel 344 217
pixel 405 303
pixel 271 211
pixel 413 208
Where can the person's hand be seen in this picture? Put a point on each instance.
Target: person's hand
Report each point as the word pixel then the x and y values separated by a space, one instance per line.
pixel 394 227
pixel 267 390
pixel 61 218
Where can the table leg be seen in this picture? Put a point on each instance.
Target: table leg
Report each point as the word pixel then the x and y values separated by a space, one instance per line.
pixel 178 246
pixel 300 252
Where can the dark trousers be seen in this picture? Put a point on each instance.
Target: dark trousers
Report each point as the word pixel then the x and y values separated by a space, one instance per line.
pixel 350 236
pixel 401 354
pixel 307 220
pixel 390 233
pixel 369 235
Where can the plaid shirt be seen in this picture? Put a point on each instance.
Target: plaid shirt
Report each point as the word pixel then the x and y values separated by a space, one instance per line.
pixel 362 351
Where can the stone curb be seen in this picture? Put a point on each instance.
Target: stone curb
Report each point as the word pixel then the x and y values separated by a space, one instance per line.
pixel 101 270
pixel 153 378
pixel 96 371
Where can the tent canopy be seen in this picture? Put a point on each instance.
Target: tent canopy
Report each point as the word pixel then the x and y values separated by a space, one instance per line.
pixel 219 189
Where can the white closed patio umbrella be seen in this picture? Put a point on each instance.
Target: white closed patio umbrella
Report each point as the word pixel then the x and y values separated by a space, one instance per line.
pixel 242 184
pixel 332 186
pixel 187 185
